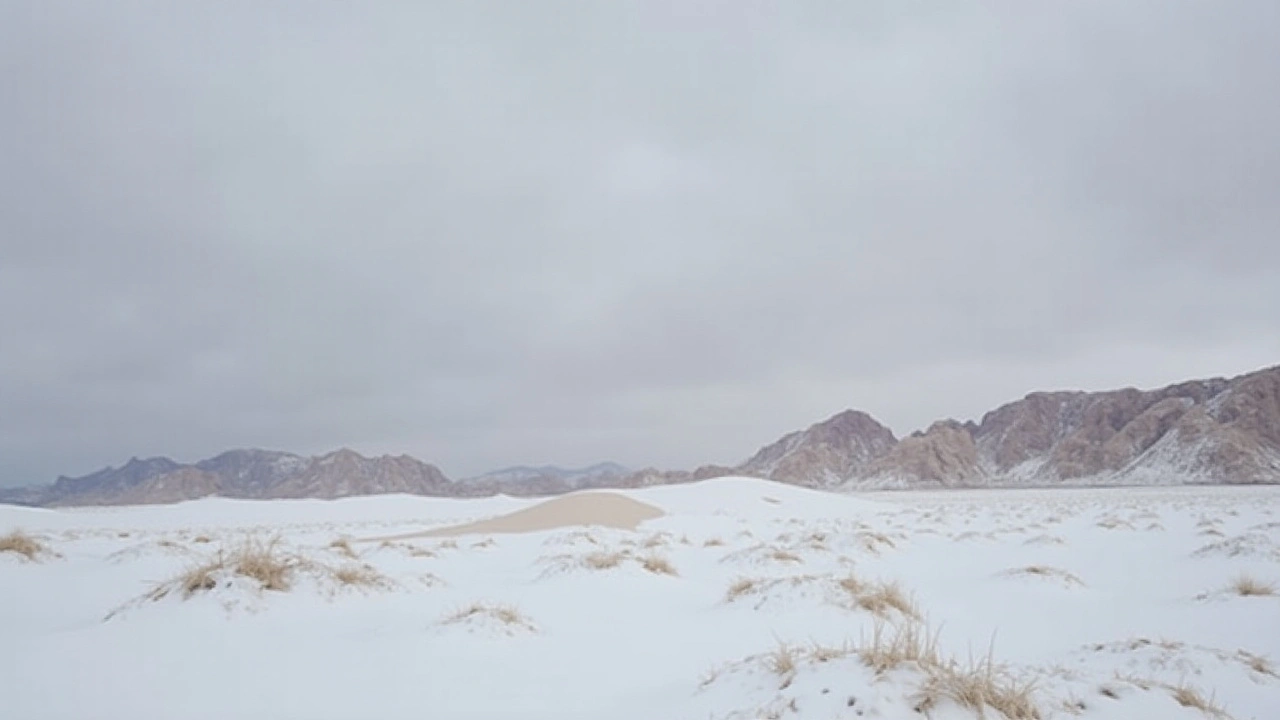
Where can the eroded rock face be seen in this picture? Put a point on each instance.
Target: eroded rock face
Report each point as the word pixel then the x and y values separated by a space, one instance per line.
pixel 1216 431
pixel 945 453
pixel 837 448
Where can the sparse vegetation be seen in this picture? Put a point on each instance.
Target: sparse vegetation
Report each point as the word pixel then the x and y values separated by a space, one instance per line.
pixel 604 560
pixel 1045 571
pixel 781 555
pixel 658 565
pixel 265 563
pixel 1249 586
pixel 18 542
pixel 782 662
pixel 359 576
pixel 910 643
pixel 1191 697
pixel 880 598
pixel 343 547
pixel 741 586
pixel 982 685
pixel 507 615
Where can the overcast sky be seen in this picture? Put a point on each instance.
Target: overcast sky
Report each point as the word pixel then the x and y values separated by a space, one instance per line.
pixel 661 232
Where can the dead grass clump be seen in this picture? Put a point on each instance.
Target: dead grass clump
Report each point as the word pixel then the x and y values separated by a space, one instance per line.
pixel 655 541
pixel 20 543
pixel 741 586
pixel 1248 586
pixel 658 565
pixel 343 547
pixel 852 585
pixel 1045 571
pixel 713 542
pixel 507 615
pixel 1190 697
pixel 264 563
pixel 880 598
pixel 196 579
pixel 781 555
pixel 820 653
pixel 982 685
pixel 603 560
pixel 782 662
pixel 1257 663
pixel 359 576
pixel 910 643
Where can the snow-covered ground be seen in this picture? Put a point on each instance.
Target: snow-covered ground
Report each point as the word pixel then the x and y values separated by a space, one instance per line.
pixel 747 599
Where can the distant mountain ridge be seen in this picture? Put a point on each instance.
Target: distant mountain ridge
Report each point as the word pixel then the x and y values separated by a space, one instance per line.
pixel 1216 431
pixel 249 474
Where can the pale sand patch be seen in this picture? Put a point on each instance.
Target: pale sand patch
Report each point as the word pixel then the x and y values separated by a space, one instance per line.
pixel 589 508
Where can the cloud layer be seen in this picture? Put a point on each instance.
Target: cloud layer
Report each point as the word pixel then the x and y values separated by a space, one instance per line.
pixel 656 232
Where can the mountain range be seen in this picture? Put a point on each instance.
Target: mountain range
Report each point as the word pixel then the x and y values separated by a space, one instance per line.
pixel 1216 431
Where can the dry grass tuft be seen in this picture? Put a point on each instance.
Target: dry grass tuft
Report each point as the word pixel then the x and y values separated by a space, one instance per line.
pixel 1190 697
pixel 741 586
pixel 359 576
pixel 1046 572
pixel 852 585
pixel 343 547
pixel 825 653
pixel 264 563
pixel 1257 663
pixel 781 555
pixel 977 686
pixel 20 543
pixel 1248 586
pixel 713 542
pixel 983 685
pixel 910 643
pixel 508 615
pixel 658 565
pixel 880 598
pixel 604 560
pixel 782 662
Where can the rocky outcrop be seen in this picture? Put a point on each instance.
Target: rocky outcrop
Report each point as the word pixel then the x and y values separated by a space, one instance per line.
pixel 1206 431
pixel 944 454
pixel 838 448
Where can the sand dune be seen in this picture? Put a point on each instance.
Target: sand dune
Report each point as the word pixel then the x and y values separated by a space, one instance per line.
pixel 604 509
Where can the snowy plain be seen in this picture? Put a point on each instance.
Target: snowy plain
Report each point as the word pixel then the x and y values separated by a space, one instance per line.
pixel 747 599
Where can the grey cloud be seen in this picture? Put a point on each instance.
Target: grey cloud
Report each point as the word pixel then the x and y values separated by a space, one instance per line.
pixel 665 233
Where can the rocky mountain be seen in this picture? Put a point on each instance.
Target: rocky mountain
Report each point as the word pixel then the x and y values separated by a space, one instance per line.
pixel 543 480
pixel 1216 431
pixel 829 452
pixel 251 474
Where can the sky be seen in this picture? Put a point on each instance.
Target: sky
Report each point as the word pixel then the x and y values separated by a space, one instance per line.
pixel 662 233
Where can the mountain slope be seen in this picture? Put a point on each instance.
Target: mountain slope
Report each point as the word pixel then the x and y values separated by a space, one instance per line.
pixel 1215 431
pixel 250 474
pixel 828 452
